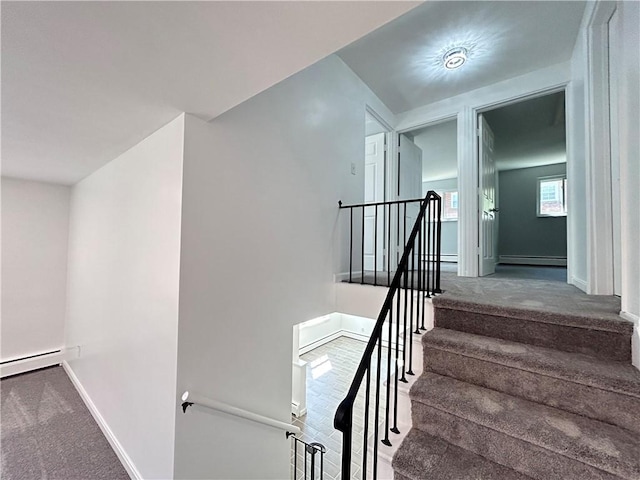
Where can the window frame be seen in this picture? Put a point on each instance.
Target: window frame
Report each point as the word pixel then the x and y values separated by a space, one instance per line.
pixel 563 195
pixel 441 192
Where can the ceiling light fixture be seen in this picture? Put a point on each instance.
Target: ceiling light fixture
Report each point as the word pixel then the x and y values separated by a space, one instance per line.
pixel 454 58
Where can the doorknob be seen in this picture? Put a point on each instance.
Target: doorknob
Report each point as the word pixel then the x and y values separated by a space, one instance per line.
pixel 494 210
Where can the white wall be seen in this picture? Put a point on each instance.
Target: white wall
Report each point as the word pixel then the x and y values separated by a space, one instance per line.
pixel 35 228
pixel 629 119
pixel 124 260
pixel 439 145
pixel 259 250
pixel 577 166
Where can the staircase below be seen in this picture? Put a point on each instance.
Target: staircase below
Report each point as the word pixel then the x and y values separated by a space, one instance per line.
pixel 521 389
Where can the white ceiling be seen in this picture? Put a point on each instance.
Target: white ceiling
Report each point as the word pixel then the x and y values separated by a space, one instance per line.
pixel 401 62
pixel 84 81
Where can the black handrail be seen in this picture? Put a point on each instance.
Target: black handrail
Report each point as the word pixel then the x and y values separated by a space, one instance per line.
pixel 425 237
pixel 392 202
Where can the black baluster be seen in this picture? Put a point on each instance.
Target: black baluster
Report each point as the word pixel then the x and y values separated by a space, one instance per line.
pixel 366 423
pixel 404 327
pixel 362 246
pixel 424 269
pixel 350 244
pixel 389 246
pixel 429 251
pixel 395 383
pixel 295 458
pixel 385 440
pixel 419 260
pixel 377 414
pixel 413 265
pixel 439 206
pixel 375 248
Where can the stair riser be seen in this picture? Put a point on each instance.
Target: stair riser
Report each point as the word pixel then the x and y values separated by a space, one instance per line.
pixel 609 407
pixel 522 456
pixel 598 343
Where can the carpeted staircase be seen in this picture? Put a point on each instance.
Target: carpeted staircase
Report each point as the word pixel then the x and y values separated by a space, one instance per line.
pixel 512 393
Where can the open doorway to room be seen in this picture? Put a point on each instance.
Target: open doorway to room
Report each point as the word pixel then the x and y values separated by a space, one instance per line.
pixel 439 146
pixel 523 190
pixel 375 191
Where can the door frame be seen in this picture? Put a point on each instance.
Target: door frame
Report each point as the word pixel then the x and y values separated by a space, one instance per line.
pixel 388 170
pixel 599 201
pixel 464 107
pixel 431 123
pixel 476 145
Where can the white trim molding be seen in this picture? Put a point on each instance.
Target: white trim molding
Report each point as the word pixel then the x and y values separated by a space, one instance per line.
pixel 533 260
pixel 579 283
pixel 344 276
pixel 635 339
pixel 600 272
pixel 37 361
pixel 126 461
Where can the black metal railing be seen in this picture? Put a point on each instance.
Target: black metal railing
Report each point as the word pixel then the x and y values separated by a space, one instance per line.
pixel 308 459
pixel 416 277
pixel 371 246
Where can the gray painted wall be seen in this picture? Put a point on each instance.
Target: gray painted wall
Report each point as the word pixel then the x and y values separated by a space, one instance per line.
pixel 521 231
pixel 449 228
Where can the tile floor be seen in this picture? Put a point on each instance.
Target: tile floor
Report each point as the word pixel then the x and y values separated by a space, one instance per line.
pixel 330 370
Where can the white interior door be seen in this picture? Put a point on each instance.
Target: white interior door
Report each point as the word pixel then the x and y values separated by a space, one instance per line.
pixel 374 168
pixel 488 241
pixel 409 186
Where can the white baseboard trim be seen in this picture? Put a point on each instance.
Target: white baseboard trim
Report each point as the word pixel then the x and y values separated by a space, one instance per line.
pixel 577 282
pixel 445 257
pixel 343 276
pixel 297 411
pixel 320 342
pixel 349 334
pixel 631 317
pixel 35 362
pixel 533 260
pixel 354 335
pixel 126 461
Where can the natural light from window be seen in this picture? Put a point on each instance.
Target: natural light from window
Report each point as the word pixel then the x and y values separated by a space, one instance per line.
pixel 449 205
pixel 320 366
pixel 552 196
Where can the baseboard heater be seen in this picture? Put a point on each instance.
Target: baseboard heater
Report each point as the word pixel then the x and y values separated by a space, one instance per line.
pixel 551 261
pixel 36 361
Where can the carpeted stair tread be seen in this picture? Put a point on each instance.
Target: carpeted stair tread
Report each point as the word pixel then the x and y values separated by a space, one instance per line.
pixel 425 457
pixel 605 338
pixel 538 312
pixel 565 440
pixel 573 367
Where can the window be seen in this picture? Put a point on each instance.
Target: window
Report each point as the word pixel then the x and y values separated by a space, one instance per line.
pixel 552 196
pixel 449 205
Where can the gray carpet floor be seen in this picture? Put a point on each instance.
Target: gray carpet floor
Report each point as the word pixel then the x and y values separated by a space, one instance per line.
pixel 537 295
pixel 47 431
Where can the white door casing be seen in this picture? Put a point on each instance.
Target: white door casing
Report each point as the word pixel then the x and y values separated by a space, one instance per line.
pixel 614 48
pixel 488 238
pixel 374 178
pixel 409 187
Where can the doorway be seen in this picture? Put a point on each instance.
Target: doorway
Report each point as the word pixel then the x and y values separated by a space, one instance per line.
pixel 523 189
pixel 439 172
pixel 375 178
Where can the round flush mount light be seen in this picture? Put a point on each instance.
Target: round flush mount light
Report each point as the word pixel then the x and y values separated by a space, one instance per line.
pixel 454 58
